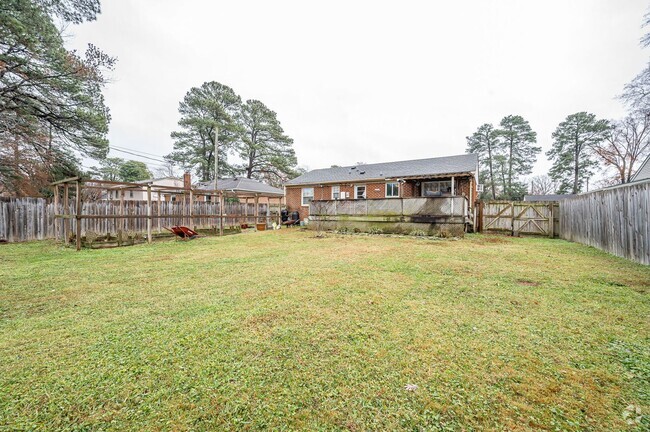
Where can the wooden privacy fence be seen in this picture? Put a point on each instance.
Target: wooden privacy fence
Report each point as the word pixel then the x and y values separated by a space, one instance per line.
pixel 395 215
pixel 519 217
pixel 25 219
pixel 616 220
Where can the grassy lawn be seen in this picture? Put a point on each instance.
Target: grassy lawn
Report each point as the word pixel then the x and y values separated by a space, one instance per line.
pixel 281 330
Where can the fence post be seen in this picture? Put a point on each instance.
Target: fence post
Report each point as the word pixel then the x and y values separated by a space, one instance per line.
pixel 191 211
pixel 221 213
pixel 551 222
pixel 149 213
pixel 78 215
pixel 56 211
pixel 66 210
pixel 158 213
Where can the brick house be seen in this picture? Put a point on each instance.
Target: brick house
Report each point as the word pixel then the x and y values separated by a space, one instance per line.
pixel 449 176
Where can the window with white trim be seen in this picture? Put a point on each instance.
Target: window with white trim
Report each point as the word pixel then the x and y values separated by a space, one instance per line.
pixel 436 188
pixel 336 192
pixel 360 192
pixel 307 196
pixel 392 190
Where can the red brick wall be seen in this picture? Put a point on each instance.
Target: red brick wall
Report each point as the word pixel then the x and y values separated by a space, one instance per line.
pixel 408 190
pixel 373 191
pixel 293 199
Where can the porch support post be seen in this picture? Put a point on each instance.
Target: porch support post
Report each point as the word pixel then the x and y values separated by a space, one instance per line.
pixel 453 186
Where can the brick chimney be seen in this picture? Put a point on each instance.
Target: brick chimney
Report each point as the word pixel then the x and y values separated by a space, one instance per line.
pixel 187 180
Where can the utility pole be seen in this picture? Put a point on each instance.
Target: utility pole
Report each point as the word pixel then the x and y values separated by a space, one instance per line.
pixel 216 156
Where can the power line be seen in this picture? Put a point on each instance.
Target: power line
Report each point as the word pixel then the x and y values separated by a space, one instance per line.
pixel 136 151
pixel 138 155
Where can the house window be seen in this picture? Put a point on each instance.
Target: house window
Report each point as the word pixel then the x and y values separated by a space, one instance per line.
pixel 336 192
pixel 307 196
pixel 392 190
pixel 130 194
pixel 436 188
pixel 360 192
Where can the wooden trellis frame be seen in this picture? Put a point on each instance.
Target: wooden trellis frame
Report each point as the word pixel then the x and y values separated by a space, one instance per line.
pixel 189 195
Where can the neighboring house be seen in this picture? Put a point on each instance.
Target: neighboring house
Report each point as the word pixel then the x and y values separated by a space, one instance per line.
pixel 546 198
pixel 643 173
pixel 451 176
pixel 243 187
pixel 141 194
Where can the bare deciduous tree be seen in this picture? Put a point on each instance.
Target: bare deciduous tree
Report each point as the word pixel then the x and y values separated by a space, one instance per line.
pixel 543 185
pixel 627 143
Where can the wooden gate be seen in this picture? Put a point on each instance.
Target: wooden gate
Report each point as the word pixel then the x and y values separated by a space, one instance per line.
pixel 520 217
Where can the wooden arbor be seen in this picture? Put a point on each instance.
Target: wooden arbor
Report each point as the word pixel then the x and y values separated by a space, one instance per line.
pixel 92 204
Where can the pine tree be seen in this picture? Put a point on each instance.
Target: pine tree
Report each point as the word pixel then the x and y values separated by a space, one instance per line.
pixel 266 150
pixel 572 154
pixel 485 143
pixel 517 141
pixel 202 110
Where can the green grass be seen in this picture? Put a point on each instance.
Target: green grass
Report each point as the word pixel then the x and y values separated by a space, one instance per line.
pixel 284 331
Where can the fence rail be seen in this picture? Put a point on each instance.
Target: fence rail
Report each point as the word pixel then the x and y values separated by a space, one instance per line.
pixel 25 219
pixel 616 220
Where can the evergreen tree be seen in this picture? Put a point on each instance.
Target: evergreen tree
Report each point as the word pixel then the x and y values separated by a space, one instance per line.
pixel 51 103
pixel 131 171
pixel 202 110
pixel 266 150
pixel 485 143
pixel 109 169
pixel 517 141
pixel 572 154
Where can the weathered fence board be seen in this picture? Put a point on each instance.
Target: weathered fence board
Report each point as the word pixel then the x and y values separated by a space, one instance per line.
pixel 520 217
pixel 616 220
pixel 25 219
pixel 438 215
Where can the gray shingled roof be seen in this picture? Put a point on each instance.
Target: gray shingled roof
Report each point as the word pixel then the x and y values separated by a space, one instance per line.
pixel 643 171
pixel 242 184
pixel 465 163
pixel 546 198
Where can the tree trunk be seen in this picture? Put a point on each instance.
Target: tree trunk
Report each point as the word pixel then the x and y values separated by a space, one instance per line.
pixel 510 169
pixel 494 189
pixel 576 170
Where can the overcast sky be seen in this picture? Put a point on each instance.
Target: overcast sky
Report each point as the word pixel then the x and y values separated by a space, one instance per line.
pixel 369 81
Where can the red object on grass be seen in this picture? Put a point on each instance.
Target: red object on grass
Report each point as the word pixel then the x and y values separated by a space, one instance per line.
pixel 183 232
